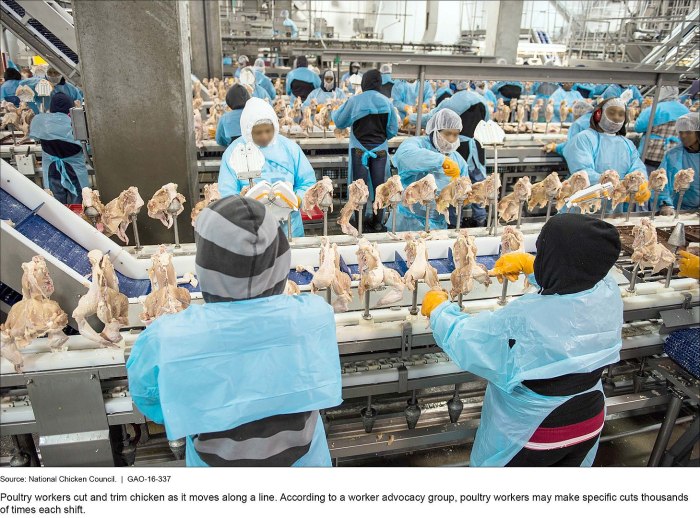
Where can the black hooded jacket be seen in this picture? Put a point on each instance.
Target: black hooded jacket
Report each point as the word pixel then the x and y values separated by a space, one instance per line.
pixel 370 130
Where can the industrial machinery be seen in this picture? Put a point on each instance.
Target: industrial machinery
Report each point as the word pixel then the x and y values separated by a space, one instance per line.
pixel 400 391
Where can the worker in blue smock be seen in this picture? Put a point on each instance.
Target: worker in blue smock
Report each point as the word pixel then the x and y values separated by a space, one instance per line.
pixel 443 91
pixel 387 80
pixel 243 376
pixel 544 90
pixel 436 154
pixel 582 112
pixel 229 127
pixel 62 159
pixel 60 85
pixel 248 80
pixel 507 90
pixel 405 96
pixel 373 121
pixel 328 91
pixel 603 146
pixel 262 80
pixel 12 78
pixel 481 87
pixel 686 155
pixel 544 353
pixel 565 93
pixel 301 81
pixel 615 90
pixel 585 89
pixel 242 63
pixel 289 24
pixel 663 128
pixel 354 70
pixel 284 159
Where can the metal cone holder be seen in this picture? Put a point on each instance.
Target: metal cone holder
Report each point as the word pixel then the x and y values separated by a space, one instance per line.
pixel 325 204
pixel 134 217
pixel 360 217
pixel 493 197
pixel 394 204
pixel 504 292
pixel 414 300
pixel 681 193
pixel 630 205
pixel 654 204
pixel 11 128
pixel 460 208
pixel 173 209
pixel 633 281
pixel 455 406
pixel 520 213
pixel 92 214
pixel 550 201
pixel 366 314
pixel 428 204
pixel 675 240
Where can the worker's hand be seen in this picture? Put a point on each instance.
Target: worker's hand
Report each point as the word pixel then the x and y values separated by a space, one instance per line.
pixel 643 194
pixel 451 168
pixel 550 147
pixel 512 265
pixel 689 265
pixel 666 210
pixel 432 300
pixel 409 110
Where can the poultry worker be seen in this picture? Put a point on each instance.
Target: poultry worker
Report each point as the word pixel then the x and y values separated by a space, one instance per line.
pixel 663 128
pixel 435 153
pixel 284 159
pixel 241 394
pixel 507 90
pixel 289 23
pixel 481 87
pixel 328 91
pixel 301 81
pixel 11 79
pixel 60 85
pixel 684 156
pixel 242 63
pixel 604 146
pixel 387 80
pixel 542 354
pixel 373 122
pixel 262 80
pixel 248 80
pixel 353 70
pixel 565 94
pixel 443 92
pixel 405 96
pixel 581 111
pixel 615 90
pixel 62 159
pixel 229 126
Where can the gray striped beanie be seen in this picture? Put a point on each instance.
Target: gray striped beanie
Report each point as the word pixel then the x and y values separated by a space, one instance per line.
pixel 242 253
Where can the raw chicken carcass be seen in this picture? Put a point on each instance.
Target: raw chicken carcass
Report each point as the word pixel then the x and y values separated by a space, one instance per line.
pixel 683 179
pixel 466 268
pixel 341 286
pixel 647 251
pixel 160 203
pixel 104 300
pixel 93 208
pixel 165 297
pixel 324 276
pixel 633 181
pixel 117 213
pixel 307 125
pixel 419 268
pixel 457 190
pixel 543 191
pixel 549 111
pixel 508 208
pixel 391 189
pixel 563 112
pixel 292 288
pixel 571 185
pixel 357 198
pixel 658 180
pixel 33 316
pixel 536 109
pixel 512 240
pixel 211 194
pixel 421 191
pixel 314 197
pixel 374 275
pixel 484 190
pixel 619 193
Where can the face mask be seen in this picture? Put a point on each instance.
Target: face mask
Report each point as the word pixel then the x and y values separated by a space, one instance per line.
pixel 328 85
pixel 609 126
pixel 443 145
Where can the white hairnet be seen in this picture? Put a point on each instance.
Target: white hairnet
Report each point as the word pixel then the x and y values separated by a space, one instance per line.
pixel 462 85
pixel 615 101
pixel 385 68
pixel 259 64
pixel 668 93
pixel 689 122
pixel 243 60
pixel 444 119
pixel 284 13
pixel 247 77
pixel 257 111
pixel 580 107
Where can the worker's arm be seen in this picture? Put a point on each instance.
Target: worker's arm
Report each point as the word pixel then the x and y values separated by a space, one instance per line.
pixel 342 116
pixel 268 86
pixel 304 175
pixel 642 121
pixel 316 81
pixel 478 344
pixel 392 123
pixel 288 83
pixel 142 370
pixel 411 157
pixel 309 98
pixel 578 153
pixel 229 184
pixel 428 92
pixel 221 138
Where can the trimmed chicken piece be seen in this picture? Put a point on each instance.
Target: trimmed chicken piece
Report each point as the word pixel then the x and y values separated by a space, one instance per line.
pixel 647 251
pixel 307 125
pixel 392 188
pixel 571 185
pixel 458 189
pixel 341 286
pixel 374 275
pixel 324 276
pixel 483 190
pixel 563 111
pixel 512 240
pixel 314 197
pixel 543 191
pixel 116 216
pixel 466 268
pixel 93 208
pixel 421 191
pixel 165 297
pixel 549 111
pixel 633 181
pixel 419 268
pixel 160 203
pixel 683 179
pixel 211 194
pixel 536 109
pixel 292 288
pixel 357 198
pixel 34 316
pixel 658 180
pixel 619 193
pixel 508 208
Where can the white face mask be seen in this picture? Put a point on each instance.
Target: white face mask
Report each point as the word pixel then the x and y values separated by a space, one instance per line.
pixel 609 126
pixel 443 145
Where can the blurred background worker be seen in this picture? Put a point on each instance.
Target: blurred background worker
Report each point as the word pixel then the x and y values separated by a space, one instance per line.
pixel 507 90
pixel 373 122
pixel 686 155
pixel 62 159
pixel 11 79
pixel 353 70
pixel 544 353
pixel 565 94
pixel 229 127
pixel 242 63
pixel 262 80
pixel 60 85
pixel 328 91
pixel 405 96
pixel 262 400
pixel 301 81
pixel 581 111
pixel 289 24
pixel 436 154
pixel 387 80
pixel 663 128
pixel 248 80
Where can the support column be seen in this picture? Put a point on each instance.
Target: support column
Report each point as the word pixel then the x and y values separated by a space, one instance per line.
pixel 503 29
pixel 205 38
pixel 135 58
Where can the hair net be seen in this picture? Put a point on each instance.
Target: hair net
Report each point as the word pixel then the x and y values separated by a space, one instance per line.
pixel 580 107
pixel 444 119
pixel 284 13
pixel 259 64
pixel 256 112
pixel 385 68
pixel 462 85
pixel 247 77
pixel 607 125
pixel 689 122
pixel 668 93
pixel 243 60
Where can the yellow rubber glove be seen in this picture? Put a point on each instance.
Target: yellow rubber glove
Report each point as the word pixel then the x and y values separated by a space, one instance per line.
pixel 432 300
pixel 512 265
pixel 409 110
pixel 689 265
pixel 451 168
pixel 643 194
pixel 550 147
